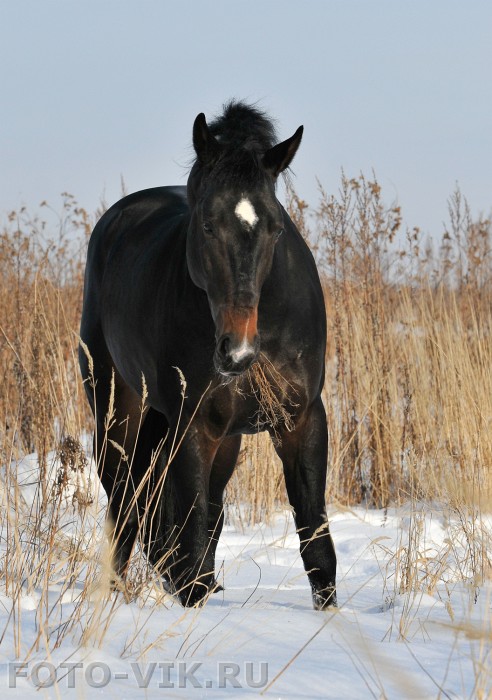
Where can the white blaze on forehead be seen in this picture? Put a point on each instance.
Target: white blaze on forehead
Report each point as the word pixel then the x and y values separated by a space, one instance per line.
pixel 245 212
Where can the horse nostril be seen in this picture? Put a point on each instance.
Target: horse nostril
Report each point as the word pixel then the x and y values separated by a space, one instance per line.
pixel 233 359
pixel 224 346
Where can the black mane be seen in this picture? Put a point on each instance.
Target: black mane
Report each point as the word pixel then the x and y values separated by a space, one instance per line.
pixel 243 126
pixel 244 133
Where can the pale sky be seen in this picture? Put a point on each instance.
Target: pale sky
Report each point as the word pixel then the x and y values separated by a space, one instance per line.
pixel 96 90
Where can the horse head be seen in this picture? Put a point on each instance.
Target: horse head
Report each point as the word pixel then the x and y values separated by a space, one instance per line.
pixel 235 223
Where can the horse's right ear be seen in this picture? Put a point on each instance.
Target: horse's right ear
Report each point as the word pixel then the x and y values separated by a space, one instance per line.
pixel 206 146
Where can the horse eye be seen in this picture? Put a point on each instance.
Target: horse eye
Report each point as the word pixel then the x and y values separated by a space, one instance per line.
pixel 207 227
pixel 279 233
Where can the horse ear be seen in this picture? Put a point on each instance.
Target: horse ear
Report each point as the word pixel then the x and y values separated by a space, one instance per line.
pixel 279 157
pixel 206 145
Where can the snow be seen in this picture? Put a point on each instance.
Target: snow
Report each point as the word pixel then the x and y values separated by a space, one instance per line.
pixel 260 636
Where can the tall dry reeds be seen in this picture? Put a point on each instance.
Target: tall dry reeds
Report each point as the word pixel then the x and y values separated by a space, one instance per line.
pixel 408 389
pixel 408 381
pixel 408 375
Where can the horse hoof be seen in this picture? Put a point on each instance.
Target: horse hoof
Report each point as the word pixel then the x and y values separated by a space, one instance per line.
pixel 196 593
pixel 189 598
pixel 325 599
pixel 119 584
pixel 195 596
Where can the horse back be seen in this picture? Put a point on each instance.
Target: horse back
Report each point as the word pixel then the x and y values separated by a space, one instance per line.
pixel 124 249
pixel 131 214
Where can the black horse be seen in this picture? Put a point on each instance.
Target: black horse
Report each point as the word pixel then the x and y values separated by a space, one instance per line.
pixel 213 279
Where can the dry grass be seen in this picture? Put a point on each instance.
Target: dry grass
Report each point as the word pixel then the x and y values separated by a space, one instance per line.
pixel 409 383
pixel 408 395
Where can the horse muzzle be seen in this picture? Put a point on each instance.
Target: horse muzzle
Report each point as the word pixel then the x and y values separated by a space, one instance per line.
pixel 238 343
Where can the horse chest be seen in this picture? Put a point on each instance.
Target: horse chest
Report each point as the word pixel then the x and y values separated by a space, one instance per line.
pixel 262 399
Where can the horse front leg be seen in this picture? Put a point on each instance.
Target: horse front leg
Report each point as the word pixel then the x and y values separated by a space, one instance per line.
pixel 304 453
pixel 192 568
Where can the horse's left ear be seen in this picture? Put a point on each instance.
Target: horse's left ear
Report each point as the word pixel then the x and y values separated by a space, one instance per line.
pixel 279 157
pixel 206 145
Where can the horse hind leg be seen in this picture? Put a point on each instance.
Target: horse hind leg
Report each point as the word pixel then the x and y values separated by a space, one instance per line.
pixel 150 467
pixel 222 469
pixel 118 463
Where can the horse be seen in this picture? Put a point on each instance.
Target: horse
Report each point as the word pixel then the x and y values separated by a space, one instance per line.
pixel 189 292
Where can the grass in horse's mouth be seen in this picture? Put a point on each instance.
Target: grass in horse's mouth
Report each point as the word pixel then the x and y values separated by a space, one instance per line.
pixel 273 393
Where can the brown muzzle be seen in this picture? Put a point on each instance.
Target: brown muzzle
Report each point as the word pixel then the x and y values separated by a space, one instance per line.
pixel 238 343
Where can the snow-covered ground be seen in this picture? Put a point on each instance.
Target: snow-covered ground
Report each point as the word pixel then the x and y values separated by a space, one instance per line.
pixel 411 623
